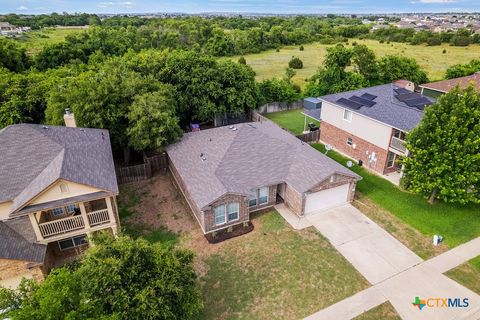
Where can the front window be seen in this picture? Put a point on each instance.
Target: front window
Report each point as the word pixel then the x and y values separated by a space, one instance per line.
pixel 232 210
pixel 263 195
pixel 252 201
pixel 72 242
pixel 391 159
pixel 347 115
pixel 57 212
pixel 349 141
pixel 399 134
pixel 220 215
pixel 71 208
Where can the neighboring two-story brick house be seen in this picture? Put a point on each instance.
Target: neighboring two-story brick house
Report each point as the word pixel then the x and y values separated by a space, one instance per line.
pixel 57 186
pixel 226 173
pixel 370 125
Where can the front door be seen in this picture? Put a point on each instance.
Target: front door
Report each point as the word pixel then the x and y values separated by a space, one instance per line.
pixel 281 190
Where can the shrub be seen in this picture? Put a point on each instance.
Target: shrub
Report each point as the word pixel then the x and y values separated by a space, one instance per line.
pixel 242 60
pixel 354 43
pixel 382 41
pixel 278 50
pixel 444 51
pixel 302 48
pixel 295 63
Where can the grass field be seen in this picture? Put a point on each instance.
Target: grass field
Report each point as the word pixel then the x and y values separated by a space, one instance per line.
pixel 34 41
pixel 385 311
pixel 292 120
pixel 467 274
pixel 276 272
pixel 270 63
pixel 456 223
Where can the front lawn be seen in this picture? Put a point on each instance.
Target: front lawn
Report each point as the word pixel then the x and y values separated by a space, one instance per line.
pixel 292 120
pixel 457 224
pixel 385 311
pixel 467 274
pixel 273 272
pixel 276 272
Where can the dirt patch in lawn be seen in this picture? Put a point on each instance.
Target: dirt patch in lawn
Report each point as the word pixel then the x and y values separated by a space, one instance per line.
pixel 161 205
pixel 410 237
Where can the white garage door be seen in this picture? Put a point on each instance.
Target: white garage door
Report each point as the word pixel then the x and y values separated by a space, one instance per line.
pixel 326 198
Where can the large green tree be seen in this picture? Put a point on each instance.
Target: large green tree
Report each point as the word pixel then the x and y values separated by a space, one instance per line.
pixel 13 56
pixel 153 122
pixel 117 279
pixel 391 68
pixel 444 160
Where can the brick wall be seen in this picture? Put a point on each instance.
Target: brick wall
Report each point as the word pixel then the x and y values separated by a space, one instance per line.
pixel 243 214
pixel 179 182
pixel 17 268
pixel 293 200
pixel 338 139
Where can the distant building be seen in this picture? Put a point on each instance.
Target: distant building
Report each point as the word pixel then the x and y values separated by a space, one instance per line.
pixel 435 89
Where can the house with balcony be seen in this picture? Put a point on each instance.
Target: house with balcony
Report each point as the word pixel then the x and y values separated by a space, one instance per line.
pixel 57 187
pixel 370 124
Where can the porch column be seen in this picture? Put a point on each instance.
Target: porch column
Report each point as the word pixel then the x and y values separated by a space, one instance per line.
pixel 111 215
pixel 81 205
pixel 35 226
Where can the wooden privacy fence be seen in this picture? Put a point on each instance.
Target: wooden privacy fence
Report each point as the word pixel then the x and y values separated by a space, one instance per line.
pixel 312 136
pixel 142 171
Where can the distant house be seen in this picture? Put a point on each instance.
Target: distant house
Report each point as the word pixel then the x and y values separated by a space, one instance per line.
pixel 435 89
pixel 370 125
pixel 57 185
pixel 227 173
pixel 7 29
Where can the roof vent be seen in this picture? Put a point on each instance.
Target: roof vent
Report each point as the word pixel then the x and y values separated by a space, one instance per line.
pixel 234 129
pixel 202 156
pixel 251 125
pixel 45 127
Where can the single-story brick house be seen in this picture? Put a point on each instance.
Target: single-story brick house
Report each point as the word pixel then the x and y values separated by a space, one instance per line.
pixel 438 88
pixel 226 173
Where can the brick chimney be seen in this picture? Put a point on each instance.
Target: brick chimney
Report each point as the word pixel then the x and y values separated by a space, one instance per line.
pixel 69 119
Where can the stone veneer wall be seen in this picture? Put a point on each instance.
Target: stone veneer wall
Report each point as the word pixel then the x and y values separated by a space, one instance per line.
pixel 338 139
pixel 243 214
pixel 18 268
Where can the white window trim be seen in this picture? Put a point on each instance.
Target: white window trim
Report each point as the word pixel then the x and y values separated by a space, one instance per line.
pixel 224 215
pixel 73 241
pixel 346 111
pixel 238 212
pixel 58 214
pixel 351 141
pixel 268 191
pixel 393 161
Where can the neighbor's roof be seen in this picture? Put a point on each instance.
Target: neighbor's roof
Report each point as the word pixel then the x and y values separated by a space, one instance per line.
pixel 254 155
pixel 32 157
pixel 387 109
pixel 447 85
pixel 18 241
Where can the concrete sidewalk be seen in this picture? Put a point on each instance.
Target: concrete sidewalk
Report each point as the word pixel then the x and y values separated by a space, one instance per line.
pixel 397 274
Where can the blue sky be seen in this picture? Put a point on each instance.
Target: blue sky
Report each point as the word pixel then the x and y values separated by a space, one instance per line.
pixel 266 6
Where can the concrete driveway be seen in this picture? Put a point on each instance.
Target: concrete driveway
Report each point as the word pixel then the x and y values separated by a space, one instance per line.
pixel 371 250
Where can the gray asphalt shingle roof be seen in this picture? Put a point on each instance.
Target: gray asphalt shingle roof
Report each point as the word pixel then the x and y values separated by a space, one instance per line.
pixel 254 155
pixel 18 240
pixel 34 156
pixel 387 108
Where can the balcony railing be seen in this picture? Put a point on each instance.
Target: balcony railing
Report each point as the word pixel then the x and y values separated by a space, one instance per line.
pixel 61 226
pixel 398 144
pixel 98 217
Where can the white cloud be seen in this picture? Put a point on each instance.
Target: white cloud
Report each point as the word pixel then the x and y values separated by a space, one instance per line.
pixel 22 8
pixel 112 4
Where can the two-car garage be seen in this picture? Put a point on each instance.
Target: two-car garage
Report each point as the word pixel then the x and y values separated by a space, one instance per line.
pixel 326 198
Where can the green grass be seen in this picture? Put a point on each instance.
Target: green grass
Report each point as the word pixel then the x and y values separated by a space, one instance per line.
pixel 385 311
pixel 163 236
pixel 456 223
pixel 275 272
pixel 34 41
pixel 270 63
pixel 292 120
pixel 467 274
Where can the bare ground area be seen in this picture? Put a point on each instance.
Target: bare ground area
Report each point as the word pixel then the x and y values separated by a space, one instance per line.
pixel 410 237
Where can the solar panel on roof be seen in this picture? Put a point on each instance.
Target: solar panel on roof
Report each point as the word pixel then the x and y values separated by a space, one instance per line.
pixel 419 106
pixel 402 91
pixel 421 100
pixel 368 96
pixel 349 103
pixel 407 96
pixel 362 101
